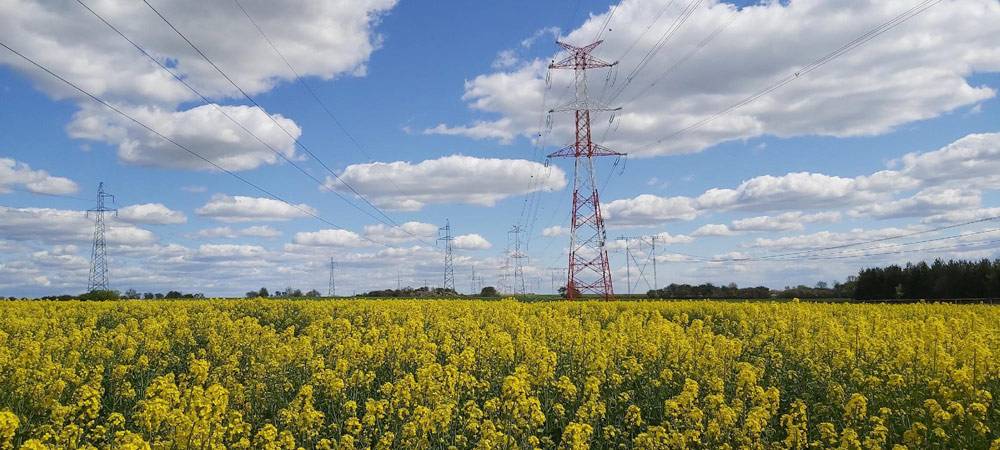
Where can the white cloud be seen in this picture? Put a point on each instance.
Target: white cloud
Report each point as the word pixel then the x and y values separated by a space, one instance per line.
pixel 151 213
pixel 792 191
pixel 329 39
pixel 713 229
pixel 262 231
pixel 408 231
pixel 555 230
pixel 649 209
pixel 828 238
pixel 790 221
pixel 897 78
pixel 329 238
pixel 229 251
pixel 970 162
pixel 451 179
pixel 62 226
pixel 246 209
pixel 14 173
pixel 77 45
pixel 471 242
pixel 932 201
pixel 505 59
pixel 963 215
pixel 203 129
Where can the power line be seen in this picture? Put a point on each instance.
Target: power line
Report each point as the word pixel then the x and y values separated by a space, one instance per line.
pixel 278 124
pixel 205 99
pixel 857 42
pixel 98 280
pixel 28 191
pixel 883 239
pixel 178 144
pixel 660 43
pixel 811 254
pixel 312 93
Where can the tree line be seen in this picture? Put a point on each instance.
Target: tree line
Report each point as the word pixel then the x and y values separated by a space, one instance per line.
pixel 952 279
pixel 732 291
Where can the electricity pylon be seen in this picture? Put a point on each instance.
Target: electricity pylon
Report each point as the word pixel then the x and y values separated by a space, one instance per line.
pixel 518 258
pixel 588 271
pixel 99 252
pixel 444 234
pixel 331 290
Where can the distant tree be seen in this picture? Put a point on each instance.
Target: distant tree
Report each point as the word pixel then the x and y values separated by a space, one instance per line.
pixel 489 291
pixel 174 294
pixel 158 296
pixel 100 295
pixel 563 292
pixel 293 292
pixel 131 293
pixel 252 294
pixel 263 293
pixel 821 285
pixel 313 293
pixel 148 296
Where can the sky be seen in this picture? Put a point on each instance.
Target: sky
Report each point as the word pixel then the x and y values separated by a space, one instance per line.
pixel 279 136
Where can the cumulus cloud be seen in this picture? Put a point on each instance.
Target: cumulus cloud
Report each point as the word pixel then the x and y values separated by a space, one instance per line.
pixel 713 229
pixel 963 215
pixel 649 209
pixel 14 174
pixel 945 180
pixel 229 251
pixel 329 238
pixel 227 208
pixel 203 129
pixel 151 213
pixel 408 231
pixel 894 79
pixel 555 230
pixel 58 226
pixel 451 179
pixel 261 231
pixel 471 242
pixel 79 47
pixel 932 201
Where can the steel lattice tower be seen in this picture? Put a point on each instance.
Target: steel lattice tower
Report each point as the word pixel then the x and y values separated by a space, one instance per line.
pixel 588 271
pixel 517 256
pixel 99 252
pixel 331 290
pixel 444 234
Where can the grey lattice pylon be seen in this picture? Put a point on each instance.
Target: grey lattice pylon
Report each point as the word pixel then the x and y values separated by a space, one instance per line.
pixel 99 252
pixel 444 234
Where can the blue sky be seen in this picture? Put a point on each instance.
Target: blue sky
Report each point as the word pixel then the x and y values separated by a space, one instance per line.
pixel 450 92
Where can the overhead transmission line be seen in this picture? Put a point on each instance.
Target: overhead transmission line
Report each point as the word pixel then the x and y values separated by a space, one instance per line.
pixel 28 191
pixel 278 124
pixel 309 89
pixel 812 253
pixel 178 144
pixel 676 25
pixel 220 110
pixel 816 64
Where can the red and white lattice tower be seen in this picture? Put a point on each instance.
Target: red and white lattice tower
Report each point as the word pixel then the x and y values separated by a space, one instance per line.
pixel 589 272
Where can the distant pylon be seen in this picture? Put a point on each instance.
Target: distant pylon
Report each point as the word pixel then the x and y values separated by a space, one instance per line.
pixel 588 271
pixel 331 291
pixel 517 257
pixel 99 252
pixel 444 234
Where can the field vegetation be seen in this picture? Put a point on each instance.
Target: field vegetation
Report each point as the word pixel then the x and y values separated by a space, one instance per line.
pixel 271 374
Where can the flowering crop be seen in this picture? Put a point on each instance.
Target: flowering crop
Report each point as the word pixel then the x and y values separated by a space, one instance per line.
pixel 496 375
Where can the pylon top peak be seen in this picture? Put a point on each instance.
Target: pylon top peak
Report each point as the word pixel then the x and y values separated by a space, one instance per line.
pixel 579 57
